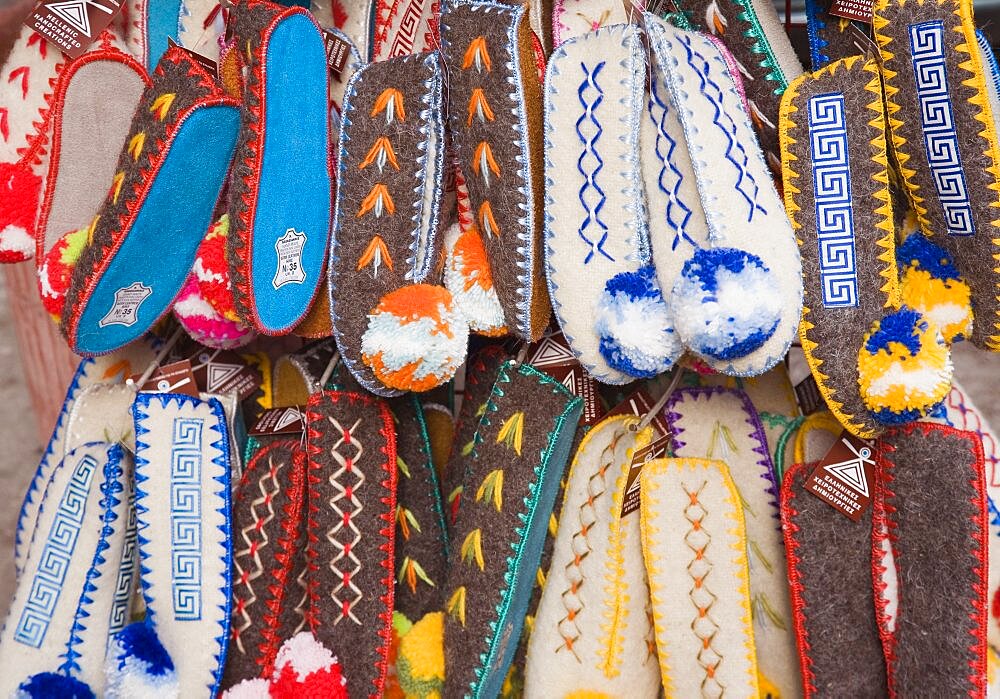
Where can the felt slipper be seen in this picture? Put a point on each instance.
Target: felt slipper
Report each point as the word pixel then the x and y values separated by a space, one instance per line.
pixel 737 300
pixel 902 367
pixel 266 520
pixel 352 18
pixel 421 534
pixel 351 511
pixel 521 447
pixel 468 277
pixel 928 470
pixel 496 115
pixel 722 424
pixel 943 137
pixel 602 284
pixel 184 131
pixel 137 665
pixel 185 543
pixel 572 19
pixel 830 575
pixel 59 620
pixel 280 200
pixel 588 634
pixel 299 374
pixel 396 330
pixel 693 540
pixel 152 24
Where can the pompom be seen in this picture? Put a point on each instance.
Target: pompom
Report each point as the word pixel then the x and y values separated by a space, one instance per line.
pixel 305 668
pixel 47 685
pixel 138 666
pixel 726 303
pixel 416 339
pixel 256 688
pixel 904 368
pixel 634 324
pixel 20 190
pixel 420 659
pixel 468 277
pixel 56 271
pixel 204 324
pixel 932 285
pixel 212 270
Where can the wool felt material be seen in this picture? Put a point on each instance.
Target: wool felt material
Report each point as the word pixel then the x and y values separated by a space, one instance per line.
pixel 468 277
pixel 183 466
pixel 575 18
pixel 440 434
pixel 591 630
pixel 67 587
pixel 421 533
pixel 931 501
pixel 722 424
pixel 280 199
pixel 299 374
pixel 737 197
pixel 817 434
pixel 495 109
pixel 596 233
pixel 102 412
pixel 151 24
pixel 394 328
pixel 520 449
pixel 830 36
pixel 266 520
pixel 200 27
pixel 55 271
pixel 351 510
pixel 168 179
pixel 693 539
pixel 138 666
pixel 831 579
pixel 930 56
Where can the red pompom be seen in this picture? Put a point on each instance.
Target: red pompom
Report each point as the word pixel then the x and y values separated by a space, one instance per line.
pixel 212 270
pixel 321 684
pixel 19 193
pixel 56 271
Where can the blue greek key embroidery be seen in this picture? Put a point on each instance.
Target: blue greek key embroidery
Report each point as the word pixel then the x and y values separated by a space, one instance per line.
pixel 123 584
pixel 937 118
pixel 590 164
pixel 834 205
pixel 185 518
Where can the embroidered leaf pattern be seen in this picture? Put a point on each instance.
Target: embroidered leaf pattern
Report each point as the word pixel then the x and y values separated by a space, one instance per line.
pixel 456 604
pixel 406 519
pixel 478 55
pixel 484 163
pixel 116 186
pixel 486 220
pixel 492 488
pixel 380 201
pixel 403 468
pixel 472 548
pixel 467 449
pixel 376 255
pixel 512 432
pixel 715 19
pixel 136 144
pixel 161 105
pixel 390 101
pixel 479 107
pixel 411 571
pixel 380 153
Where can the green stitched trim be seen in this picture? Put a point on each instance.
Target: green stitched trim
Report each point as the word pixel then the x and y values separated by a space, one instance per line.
pixel 791 426
pixel 425 448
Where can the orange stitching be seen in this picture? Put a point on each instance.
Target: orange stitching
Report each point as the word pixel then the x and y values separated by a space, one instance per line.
pixel 699 568
pixel 477 54
pixel 479 107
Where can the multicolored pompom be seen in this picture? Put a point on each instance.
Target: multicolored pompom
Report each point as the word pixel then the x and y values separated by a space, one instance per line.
pixel 932 285
pixel 138 666
pixel 726 303
pixel 420 658
pixel 306 668
pixel 56 271
pixel 416 338
pixel 19 194
pixel 635 327
pixel 904 367
pixel 204 324
pixel 468 277
pixel 212 270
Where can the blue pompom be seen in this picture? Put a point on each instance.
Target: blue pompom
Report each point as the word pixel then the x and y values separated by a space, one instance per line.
pixel 48 685
pixel 634 325
pixel 726 303
pixel 140 642
pixel 918 250
pixel 902 326
pixel 137 665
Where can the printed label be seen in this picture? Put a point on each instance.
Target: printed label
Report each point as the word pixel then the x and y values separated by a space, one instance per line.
pixel 860 10
pixel 844 477
pixel 552 355
pixel 72 25
pixel 289 249
pixel 170 378
pixel 125 308
pixel 338 52
pixel 224 371
pixel 277 421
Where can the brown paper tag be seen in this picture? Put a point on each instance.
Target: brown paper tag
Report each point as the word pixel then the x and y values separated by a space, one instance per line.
pixel 72 25
pixel 224 371
pixel 860 10
pixel 807 395
pixel 844 477
pixel 338 52
pixel 639 403
pixel 170 378
pixel 552 355
pixel 279 421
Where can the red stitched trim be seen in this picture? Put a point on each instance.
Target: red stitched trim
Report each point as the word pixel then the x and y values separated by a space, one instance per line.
pixel 381 29
pixel 789 529
pixel 107 53
pixel 883 537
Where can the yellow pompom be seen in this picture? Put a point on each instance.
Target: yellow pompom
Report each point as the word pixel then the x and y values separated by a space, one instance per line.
pixel 932 285
pixel 420 660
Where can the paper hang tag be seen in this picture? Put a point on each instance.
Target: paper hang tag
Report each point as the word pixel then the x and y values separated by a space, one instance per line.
pixel 639 403
pixel 170 378
pixel 552 355
pixel 224 371
pixel 72 25
pixel 279 421
pixel 859 10
pixel 844 478
pixel 338 52
pixel 204 61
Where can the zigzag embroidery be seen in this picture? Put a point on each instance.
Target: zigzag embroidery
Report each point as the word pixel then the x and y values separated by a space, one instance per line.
pixel 344 521
pixel 676 208
pixel 593 215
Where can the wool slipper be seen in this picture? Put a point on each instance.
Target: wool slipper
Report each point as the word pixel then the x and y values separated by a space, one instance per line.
pixel 468 277
pixel 722 424
pixel 830 575
pixel 421 534
pixel 59 620
pixel 395 328
pixel 942 605
pixel 902 368
pixel 299 374
pixel 572 19
pixel 587 634
pixel 693 539
pixel 183 471
pixel 496 115
pixel 521 447
pixel 152 24
pixel 351 18
pixel 184 131
pixel 709 297
pixel 138 666
pixel 201 27
pixel 266 519
pixel 351 514
pixel 943 138
pixel 602 284
pixel 280 201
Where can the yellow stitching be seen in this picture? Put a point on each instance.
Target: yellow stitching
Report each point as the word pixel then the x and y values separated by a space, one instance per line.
pixel 822 420
pixel 650 537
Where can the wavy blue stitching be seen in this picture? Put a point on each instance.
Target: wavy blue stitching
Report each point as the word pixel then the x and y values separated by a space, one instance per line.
pixel 593 215
pixel 667 160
